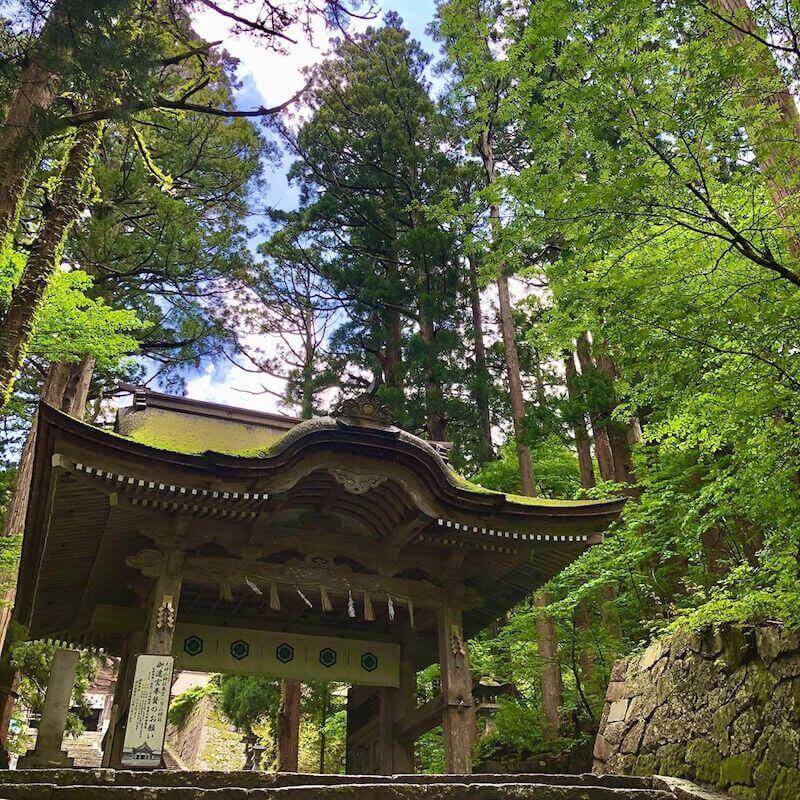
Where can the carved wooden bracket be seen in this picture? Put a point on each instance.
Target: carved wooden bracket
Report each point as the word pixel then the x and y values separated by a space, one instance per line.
pixel 354 482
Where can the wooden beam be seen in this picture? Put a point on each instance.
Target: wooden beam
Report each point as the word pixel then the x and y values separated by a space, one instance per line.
pixel 422 719
pixel 396 755
pixel 117 620
pixel 164 604
pixel 215 572
pixel 404 534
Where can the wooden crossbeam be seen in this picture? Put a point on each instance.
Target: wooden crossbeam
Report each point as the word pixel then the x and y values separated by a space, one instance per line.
pixel 213 571
pixel 423 719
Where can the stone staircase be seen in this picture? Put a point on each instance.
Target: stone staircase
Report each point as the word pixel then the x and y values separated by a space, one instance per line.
pixel 87 749
pixel 103 784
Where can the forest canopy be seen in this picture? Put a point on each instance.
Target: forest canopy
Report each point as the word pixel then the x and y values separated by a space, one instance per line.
pixel 565 239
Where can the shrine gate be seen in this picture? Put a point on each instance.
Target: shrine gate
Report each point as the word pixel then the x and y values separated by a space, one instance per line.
pixel 338 548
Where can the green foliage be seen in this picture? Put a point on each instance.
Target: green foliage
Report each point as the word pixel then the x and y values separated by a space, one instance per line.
pixel 182 706
pixel 555 465
pixel 245 700
pixel 517 736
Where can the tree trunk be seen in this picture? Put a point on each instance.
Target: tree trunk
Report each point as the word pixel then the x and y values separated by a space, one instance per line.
pixel 17 324
pixel 602 446
pixel 618 433
pixel 582 443
pixel 780 172
pixel 25 126
pixel 53 389
pixel 392 367
pixel 552 686
pixel 515 390
pixel 434 396
pixel 307 399
pixel 77 394
pixel 480 390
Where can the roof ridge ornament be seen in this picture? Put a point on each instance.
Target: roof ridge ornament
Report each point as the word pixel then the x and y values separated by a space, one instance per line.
pixel 366 409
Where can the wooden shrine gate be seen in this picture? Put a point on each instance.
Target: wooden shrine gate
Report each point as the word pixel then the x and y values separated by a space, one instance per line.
pixel 339 546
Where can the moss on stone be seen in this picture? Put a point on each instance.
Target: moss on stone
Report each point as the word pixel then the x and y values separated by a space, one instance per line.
pixel 672 760
pixel 645 764
pixel 737 770
pixel 704 759
pixel 743 793
pixel 786 786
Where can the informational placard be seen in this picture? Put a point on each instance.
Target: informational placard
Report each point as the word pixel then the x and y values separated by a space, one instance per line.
pixel 147 715
pixel 207 648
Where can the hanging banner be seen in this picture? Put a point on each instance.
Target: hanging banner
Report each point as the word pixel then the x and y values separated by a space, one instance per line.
pixel 207 648
pixel 147 715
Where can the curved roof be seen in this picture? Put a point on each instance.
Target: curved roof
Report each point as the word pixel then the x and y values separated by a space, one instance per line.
pixel 71 536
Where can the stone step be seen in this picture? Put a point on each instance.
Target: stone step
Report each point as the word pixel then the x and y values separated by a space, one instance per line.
pixel 364 791
pixel 268 780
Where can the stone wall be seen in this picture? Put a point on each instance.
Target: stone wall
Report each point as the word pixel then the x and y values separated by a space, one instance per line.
pixel 721 707
pixel 204 741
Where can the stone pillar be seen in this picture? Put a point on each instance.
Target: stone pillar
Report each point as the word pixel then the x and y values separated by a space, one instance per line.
pixel 289 726
pixel 9 683
pixel 552 688
pixel 48 752
pixel 458 715
pixel 396 755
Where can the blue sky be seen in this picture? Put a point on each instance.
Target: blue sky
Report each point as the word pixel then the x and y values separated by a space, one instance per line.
pixel 267 79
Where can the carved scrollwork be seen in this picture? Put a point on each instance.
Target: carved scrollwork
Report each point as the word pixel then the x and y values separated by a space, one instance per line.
pixel 356 483
pixel 149 562
pixel 366 407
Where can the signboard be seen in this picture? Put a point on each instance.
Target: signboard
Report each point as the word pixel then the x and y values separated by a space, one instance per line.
pixel 206 648
pixel 147 715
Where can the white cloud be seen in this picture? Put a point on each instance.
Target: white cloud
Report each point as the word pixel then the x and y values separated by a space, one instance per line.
pixel 276 76
pixel 225 383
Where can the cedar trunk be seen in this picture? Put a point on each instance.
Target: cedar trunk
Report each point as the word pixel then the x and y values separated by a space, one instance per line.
pixel 602 446
pixel 289 726
pixel 582 443
pixel 515 391
pixel 552 686
pixel 480 391
pixel 17 324
pixel 779 171
pixel 618 433
pixel 434 397
pixel 24 129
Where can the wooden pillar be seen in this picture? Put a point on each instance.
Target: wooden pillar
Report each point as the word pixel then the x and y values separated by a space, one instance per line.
pixel 289 726
pixel 47 752
pixel 458 715
pixel 164 605
pixel 396 756
pixel 115 735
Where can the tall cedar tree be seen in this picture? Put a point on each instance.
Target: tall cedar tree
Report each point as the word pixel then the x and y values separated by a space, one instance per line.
pixel 368 162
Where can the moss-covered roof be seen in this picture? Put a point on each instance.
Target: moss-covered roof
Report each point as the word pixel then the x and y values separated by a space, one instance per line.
pixel 198 435
pixel 521 499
